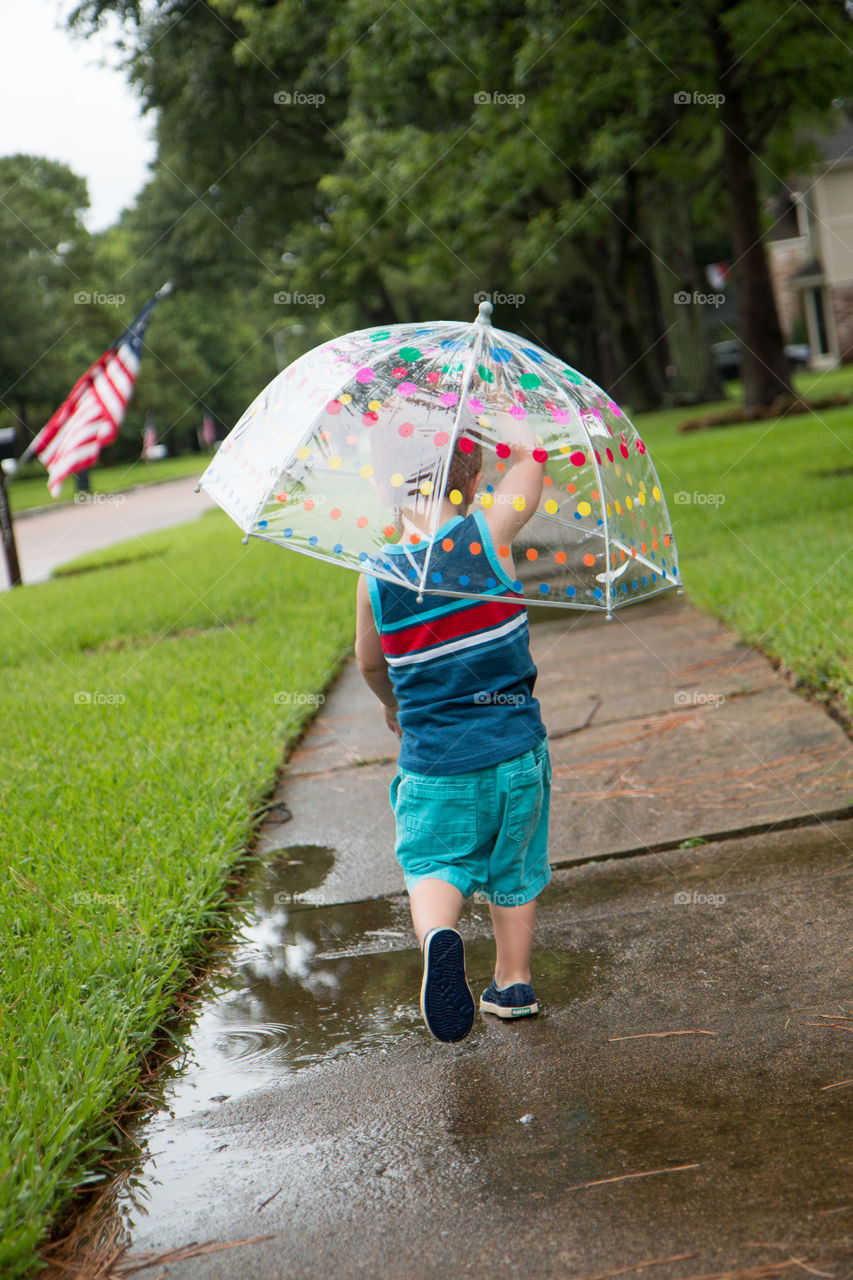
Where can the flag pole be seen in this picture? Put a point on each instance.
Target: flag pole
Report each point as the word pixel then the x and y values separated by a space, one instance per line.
pixel 7 529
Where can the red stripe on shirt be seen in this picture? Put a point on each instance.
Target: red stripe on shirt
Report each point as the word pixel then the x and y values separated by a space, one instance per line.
pixel 451 626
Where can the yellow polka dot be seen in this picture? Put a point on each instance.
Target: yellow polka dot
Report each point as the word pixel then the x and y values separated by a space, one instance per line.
pixel 334 463
pixel 584 508
pixel 628 478
pixel 617 468
pixel 396 479
pixel 426 488
pixel 303 452
pixel 374 404
pixel 566 448
pixel 346 398
pixel 628 503
pixel 656 493
pixel 366 471
pixel 641 498
pixel 552 507
pixel 455 496
pixel 518 502
pixel 618 508
pixel 486 500
pixel 483 421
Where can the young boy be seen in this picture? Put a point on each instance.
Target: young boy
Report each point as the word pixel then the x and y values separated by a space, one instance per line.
pixel 455 679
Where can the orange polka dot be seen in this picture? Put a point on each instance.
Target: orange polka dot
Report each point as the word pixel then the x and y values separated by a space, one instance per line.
pixel 547 480
pixel 389 531
pixel 654 544
pixel 589 559
pixel 501 466
pixel 560 557
pixel 633 552
pixel 621 554
pixel 447 544
pixel 666 539
pixel 643 547
pixel 281 497
pixel 414 537
pixel 362 522
pixel 503 551
pixel 475 548
pixel 308 504
pixel 335 513
pixel 594 495
pixel 571 488
pixel 532 553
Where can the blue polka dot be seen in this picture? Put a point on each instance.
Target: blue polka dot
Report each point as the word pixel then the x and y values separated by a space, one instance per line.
pixel 413 573
pixel 436 577
pixel 654 577
pixel 571 591
pixel 577 515
pixel 288 533
pixel 337 548
pixel 500 354
pixel 532 354
pixel 674 572
pixel 633 584
pixel 362 555
pixel 490 488
pixel 663 574
pixel 599 521
pixel 518 585
pixel 644 581
pixel 464 579
pixel 313 540
pixel 663 561
pixel 624 589
pixel 544 588
pixel 598 593
pixel 491 582
pixel 262 524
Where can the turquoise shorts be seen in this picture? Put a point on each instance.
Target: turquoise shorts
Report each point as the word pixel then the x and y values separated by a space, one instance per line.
pixel 485 832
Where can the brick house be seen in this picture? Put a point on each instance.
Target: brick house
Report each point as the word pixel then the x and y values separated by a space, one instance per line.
pixel 810 250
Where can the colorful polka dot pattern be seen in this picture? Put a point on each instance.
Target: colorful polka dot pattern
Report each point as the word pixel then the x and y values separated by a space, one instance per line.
pixel 345 454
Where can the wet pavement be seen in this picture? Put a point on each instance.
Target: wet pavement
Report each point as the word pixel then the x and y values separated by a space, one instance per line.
pixel 683 1100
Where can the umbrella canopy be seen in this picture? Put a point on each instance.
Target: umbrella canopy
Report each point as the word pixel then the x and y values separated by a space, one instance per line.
pixel 364 428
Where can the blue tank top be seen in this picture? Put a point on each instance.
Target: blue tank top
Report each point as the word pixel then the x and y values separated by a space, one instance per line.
pixel 461 669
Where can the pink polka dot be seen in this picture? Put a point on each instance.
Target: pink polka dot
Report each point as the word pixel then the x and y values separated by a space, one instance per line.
pixel 503 450
pixel 466 445
pixel 560 415
pixel 352 439
pixel 334 406
pixel 407 388
pixel 614 408
pixel 577 459
pixel 308 504
pixel 406 428
pixel 362 522
pixel 440 438
pixel 370 418
pixel 540 455
pixel 365 374
pixel 335 513
pixel 475 404
pixel 517 412
pixel 448 398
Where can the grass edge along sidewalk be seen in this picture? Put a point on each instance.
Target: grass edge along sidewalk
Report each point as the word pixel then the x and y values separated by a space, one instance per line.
pixel 146 711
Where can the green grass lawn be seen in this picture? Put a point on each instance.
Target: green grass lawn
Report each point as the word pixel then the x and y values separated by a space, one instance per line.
pixel 141 729
pixel 764 529
pixel 29 488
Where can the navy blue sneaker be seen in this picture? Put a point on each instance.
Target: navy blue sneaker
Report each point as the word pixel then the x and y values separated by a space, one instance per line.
pixel 517 1001
pixel 447 1004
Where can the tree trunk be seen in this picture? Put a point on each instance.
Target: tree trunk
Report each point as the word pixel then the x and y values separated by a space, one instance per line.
pixel 667 219
pixel 764 366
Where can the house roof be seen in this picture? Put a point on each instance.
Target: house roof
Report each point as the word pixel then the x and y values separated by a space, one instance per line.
pixel 837 146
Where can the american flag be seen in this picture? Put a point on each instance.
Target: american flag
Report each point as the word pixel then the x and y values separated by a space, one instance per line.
pixel 90 417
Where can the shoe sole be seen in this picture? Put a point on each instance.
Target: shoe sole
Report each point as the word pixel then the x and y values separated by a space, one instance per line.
pixel 447 1002
pixel 506 1011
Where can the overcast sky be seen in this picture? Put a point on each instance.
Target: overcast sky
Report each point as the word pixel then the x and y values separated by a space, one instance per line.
pixel 59 99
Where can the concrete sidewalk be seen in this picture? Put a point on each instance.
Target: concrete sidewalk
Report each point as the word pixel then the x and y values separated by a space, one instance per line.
pixel 679 1108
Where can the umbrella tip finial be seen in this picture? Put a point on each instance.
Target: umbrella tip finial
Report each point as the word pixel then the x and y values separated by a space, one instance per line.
pixel 485 314
pixel 197 487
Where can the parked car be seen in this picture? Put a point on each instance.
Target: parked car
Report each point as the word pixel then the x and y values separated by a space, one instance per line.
pixel 727 356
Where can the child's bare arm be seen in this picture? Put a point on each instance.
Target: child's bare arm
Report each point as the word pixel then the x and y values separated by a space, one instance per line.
pixel 517 496
pixel 371 659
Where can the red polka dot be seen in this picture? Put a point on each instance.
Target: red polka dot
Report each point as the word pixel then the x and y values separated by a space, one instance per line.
pixel 597 456
pixel 641 448
pixel 577 459
pixel 609 453
pixel 503 450
pixel 433 376
pixel 466 445
pixel 532 553
pixel 560 557
pixel 589 559
pixel 540 455
pixel 400 372
pixel 406 428
pixel 334 406
pixel 362 522
pixel 475 548
pixel 335 513
pixel 370 418
pixel 623 449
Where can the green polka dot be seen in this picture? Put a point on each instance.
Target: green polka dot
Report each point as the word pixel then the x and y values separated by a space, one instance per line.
pixel 410 354
pixel 380 337
pixel 485 374
pixel 529 381
pixel 572 375
pixel 452 368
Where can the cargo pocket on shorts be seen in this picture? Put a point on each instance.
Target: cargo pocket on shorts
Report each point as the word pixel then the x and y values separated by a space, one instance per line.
pixel 525 803
pixel 438 809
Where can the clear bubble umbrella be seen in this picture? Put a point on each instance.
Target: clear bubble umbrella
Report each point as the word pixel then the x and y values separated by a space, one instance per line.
pixel 364 427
